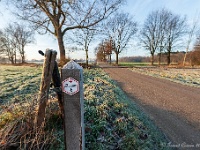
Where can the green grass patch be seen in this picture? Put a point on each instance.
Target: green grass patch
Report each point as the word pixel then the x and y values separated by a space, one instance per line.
pixel 134 64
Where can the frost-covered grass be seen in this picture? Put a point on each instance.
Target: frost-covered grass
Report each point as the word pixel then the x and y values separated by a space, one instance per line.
pixel 189 77
pixel 112 121
pixel 17 82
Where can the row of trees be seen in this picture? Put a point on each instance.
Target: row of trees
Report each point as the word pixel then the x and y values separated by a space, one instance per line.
pixel 118 32
pixel 57 17
pixel 115 33
pixel 161 32
pixel 13 40
pixel 193 58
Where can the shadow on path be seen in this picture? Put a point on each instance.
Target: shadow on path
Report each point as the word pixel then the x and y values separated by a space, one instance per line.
pixel 166 103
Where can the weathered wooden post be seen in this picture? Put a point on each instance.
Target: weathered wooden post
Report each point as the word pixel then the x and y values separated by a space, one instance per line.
pixel 72 88
pixel 48 66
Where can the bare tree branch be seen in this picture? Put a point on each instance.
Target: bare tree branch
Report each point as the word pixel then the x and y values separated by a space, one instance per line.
pixel 121 28
pixel 162 30
pixel 59 16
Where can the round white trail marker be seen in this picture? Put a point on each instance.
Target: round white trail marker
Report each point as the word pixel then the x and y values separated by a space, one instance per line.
pixel 70 86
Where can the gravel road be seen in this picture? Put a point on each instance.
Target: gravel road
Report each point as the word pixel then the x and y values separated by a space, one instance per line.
pixel 174 108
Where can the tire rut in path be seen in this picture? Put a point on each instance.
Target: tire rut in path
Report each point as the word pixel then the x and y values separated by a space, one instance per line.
pixel 174 108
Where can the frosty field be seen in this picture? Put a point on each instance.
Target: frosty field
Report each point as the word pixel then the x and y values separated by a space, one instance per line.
pixel 190 77
pixel 112 121
pixel 17 82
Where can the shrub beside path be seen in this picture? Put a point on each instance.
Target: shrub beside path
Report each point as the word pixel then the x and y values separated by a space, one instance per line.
pixel 175 108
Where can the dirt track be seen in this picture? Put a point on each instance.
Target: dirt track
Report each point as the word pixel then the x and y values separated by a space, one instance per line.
pixel 174 108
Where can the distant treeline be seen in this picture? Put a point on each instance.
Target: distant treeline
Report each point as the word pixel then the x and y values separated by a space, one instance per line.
pixel 135 59
pixel 176 57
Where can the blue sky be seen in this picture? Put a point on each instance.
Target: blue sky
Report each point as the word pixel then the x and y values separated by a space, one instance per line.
pixel 139 9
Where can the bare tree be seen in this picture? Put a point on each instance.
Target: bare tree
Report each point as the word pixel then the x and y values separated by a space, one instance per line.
pixel 23 36
pixel 9 47
pixel 1 43
pixel 153 32
pixel 109 47
pixel 191 33
pixel 175 29
pixel 13 40
pixel 3 58
pixel 162 30
pixel 59 16
pixel 83 38
pixel 87 37
pixel 163 16
pixel 150 34
pixel 121 29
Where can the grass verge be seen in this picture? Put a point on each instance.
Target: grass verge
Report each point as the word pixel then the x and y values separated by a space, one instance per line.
pixel 113 121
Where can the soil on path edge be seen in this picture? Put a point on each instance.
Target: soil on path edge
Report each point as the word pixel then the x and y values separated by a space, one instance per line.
pixel 174 108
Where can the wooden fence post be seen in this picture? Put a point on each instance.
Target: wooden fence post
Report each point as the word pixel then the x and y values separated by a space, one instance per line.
pixel 48 66
pixel 72 88
pixel 57 87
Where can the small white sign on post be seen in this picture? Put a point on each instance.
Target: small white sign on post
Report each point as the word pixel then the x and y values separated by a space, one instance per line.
pixel 70 86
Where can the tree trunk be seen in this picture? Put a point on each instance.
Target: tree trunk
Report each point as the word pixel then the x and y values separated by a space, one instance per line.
pixel 15 57
pixel 57 84
pixel 168 58
pixel 159 59
pixel 117 58
pixel 23 59
pixel 86 51
pixel 152 59
pixel 185 56
pixel 12 60
pixel 61 47
pixel 184 59
pixel 23 55
pixel 160 56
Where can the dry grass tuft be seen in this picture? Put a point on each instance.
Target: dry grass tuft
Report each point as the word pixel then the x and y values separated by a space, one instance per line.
pixel 18 132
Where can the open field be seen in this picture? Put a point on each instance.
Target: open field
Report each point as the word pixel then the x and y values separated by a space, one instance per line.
pixel 190 77
pixel 17 82
pixel 134 64
pixel 141 64
pixel 111 120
